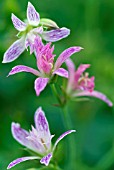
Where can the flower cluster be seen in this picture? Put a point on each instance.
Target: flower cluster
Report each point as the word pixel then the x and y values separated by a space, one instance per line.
pixel 29 29
pixel 79 84
pixel 37 140
pixel 31 33
pixel 45 63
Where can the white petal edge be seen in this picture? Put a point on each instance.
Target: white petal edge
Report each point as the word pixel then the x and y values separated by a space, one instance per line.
pixel 32 15
pixel 61 72
pixel 46 159
pixel 55 35
pixel 61 137
pixel 19 160
pixel 14 51
pixel 22 68
pixel 96 94
pixel 18 24
pixel 65 55
pixel 40 84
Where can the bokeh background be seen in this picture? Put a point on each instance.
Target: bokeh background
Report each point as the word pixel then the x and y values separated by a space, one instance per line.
pixel 92 27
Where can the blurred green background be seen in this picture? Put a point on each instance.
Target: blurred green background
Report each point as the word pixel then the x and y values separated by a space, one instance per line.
pixel 92 27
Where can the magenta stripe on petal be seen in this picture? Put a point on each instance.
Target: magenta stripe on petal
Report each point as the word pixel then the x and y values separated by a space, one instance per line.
pixel 14 51
pixel 41 122
pixel 61 72
pixel 32 15
pixel 45 160
pixel 65 55
pixel 18 24
pixel 19 160
pixel 21 68
pixel 40 84
pixel 96 94
pixel 62 136
pixel 19 134
pixel 55 35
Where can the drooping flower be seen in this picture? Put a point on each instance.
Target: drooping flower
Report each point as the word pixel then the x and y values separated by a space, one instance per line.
pixel 45 63
pixel 37 140
pixel 29 29
pixel 79 83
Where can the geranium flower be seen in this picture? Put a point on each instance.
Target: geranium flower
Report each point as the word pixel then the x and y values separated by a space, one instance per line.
pixel 45 64
pixel 37 140
pixel 29 29
pixel 79 84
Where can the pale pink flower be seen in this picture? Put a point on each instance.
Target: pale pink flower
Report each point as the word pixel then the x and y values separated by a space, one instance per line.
pixel 45 63
pixel 37 140
pixel 79 83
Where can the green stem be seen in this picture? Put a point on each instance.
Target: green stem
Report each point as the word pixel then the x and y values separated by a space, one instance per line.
pixel 55 93
pixel 71 140
pixel 68 126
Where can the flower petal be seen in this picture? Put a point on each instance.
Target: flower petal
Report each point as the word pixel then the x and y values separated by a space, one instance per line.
pixel 71 69
pixel 38 30
pixel 61 72
pixel 45 160
pixel 22 136
pixel 41 122
pixel 14 51
pixel 96 94
pixel 40 84
pixel 80 70
pixel 19 134
pixel 62 136
pixel 19 160
pixel 18 24
pixel 65 55
pixel 55 35
pixel 42 127
pixel 22 68
pixel 32 15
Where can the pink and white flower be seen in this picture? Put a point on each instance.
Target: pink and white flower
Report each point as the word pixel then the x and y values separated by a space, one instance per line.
pixel 79 84
pixel 29 29
pixel 37 140
pixel 45 63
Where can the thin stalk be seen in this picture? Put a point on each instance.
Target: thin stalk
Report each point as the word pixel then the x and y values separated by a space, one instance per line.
pixel 53 88
pixel 71 154
pixel 71 140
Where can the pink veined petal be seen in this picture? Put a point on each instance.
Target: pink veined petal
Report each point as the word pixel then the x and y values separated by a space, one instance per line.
pixel 19 160
pixel 65 55
pixel 32 15
pixel 55 35
pixel 14 51
pixel 61 72
pixel 80 70
pixel 40 84
pixel 96 94
pixel 46 159
pixel 22 68
pixel 18 24
pixel 41 122
pixel 62 136
pixel 71 69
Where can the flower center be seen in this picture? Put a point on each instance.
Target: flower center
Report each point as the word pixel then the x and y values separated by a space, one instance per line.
pixel 42 141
